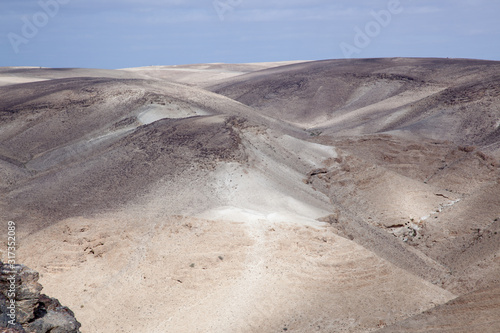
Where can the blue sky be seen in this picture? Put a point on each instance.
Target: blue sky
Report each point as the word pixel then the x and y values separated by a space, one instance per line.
pixel 131 33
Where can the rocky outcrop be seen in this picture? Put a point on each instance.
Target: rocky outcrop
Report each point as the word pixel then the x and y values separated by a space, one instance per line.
pixel 24 309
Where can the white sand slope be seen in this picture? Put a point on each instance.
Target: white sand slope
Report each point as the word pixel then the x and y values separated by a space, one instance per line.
pixel 10 80
pixel 193 275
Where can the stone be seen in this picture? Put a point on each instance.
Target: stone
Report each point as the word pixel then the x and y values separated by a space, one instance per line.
pixel 35 312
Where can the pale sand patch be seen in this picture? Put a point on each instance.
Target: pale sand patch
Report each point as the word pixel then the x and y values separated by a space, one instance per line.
pixel 10 80
pixel 269 188
pixel 193 275
pixel 203 74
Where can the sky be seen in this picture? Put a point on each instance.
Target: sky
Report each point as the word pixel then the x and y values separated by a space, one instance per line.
pixel 132 33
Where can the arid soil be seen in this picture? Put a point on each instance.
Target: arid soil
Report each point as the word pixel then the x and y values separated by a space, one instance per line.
pixel 326 196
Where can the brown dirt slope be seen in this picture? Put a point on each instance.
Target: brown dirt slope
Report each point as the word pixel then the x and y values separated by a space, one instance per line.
pixel 436 98
pixel 475 312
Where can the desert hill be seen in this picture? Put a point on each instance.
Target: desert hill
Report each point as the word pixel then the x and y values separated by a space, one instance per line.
pixel 202 75
pixel 437 98
pixel 325 196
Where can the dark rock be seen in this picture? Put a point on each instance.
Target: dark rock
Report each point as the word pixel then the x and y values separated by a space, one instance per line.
pixel 11 330
pixel 51 316
pixel 5 327
pixel 27 289
pixel 34 313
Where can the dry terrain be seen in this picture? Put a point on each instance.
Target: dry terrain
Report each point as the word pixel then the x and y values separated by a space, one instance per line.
pixel 320 196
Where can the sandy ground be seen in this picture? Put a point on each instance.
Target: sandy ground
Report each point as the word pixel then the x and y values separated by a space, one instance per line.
pixel 6 80
pixel 203 75
pixel 474 312
pixel 193 275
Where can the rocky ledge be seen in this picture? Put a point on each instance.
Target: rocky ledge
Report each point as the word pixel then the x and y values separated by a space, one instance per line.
pixel 24 309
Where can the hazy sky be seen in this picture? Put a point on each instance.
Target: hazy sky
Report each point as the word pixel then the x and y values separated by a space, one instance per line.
pixel 130 33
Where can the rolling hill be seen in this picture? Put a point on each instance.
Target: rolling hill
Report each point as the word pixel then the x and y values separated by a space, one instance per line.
pixel 321 196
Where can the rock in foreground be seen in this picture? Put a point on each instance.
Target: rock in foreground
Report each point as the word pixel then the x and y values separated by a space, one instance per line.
pixel 24 309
